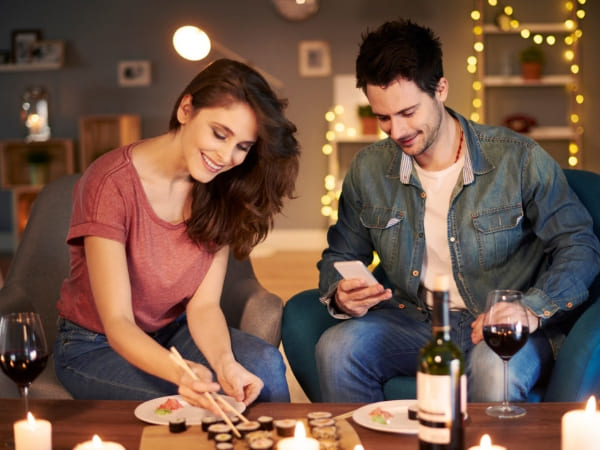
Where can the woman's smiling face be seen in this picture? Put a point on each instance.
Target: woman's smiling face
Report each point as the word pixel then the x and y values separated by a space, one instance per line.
pixel 215 139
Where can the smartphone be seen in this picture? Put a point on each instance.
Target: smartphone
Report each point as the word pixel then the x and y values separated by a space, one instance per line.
pixel 355 269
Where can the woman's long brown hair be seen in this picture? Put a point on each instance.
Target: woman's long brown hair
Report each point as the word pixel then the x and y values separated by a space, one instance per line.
pixel 237 207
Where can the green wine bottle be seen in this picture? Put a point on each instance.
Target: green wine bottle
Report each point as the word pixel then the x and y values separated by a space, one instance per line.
pixel 441 381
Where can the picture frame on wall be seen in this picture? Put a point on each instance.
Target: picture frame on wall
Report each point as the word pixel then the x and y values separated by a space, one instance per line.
pixel 48 52
pixel 314 58
pixel 134 73
pixel 22 40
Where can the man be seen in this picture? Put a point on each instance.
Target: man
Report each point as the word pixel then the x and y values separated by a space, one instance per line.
pixel 445 195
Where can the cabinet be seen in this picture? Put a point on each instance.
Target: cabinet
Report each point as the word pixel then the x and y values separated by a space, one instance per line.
pixel 101 133
pixel 26 167
pixel 552 101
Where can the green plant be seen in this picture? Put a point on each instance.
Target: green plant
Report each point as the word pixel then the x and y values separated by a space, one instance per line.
pixel 533 54
pixel 365 111
pixel 38 156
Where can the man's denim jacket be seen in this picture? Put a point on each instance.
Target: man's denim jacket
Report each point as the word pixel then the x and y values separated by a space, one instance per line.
pixel 513 223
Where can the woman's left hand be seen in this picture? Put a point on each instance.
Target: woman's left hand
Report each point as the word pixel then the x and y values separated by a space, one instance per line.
pixel 239 383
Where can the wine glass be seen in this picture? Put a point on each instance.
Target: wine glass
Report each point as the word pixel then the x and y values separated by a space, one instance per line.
pixel 23 349
pixel 505 331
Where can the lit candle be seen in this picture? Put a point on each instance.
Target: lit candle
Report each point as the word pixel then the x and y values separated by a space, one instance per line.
pixel 581 428
pixel 98 444
pixel 299 441
pixel 486 444
pixel 32 434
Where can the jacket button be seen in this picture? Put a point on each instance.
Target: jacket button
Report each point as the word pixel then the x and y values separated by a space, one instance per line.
pixel 415 273
pixel 569 305
pixel 546 313
pixel 423 194
pixel 401 306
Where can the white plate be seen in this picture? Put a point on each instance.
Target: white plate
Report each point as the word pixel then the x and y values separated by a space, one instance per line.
pixel 192 414
pixel 399 423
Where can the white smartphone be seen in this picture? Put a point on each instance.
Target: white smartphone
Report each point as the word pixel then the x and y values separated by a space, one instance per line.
pixel 355 269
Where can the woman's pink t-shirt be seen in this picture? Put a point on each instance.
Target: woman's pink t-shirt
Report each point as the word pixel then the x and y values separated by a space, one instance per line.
pixel 165 266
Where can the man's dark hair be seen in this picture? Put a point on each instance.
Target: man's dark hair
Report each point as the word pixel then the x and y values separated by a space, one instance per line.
pixel 400 49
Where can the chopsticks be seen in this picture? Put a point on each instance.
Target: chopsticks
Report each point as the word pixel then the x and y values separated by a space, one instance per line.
pixel 176 356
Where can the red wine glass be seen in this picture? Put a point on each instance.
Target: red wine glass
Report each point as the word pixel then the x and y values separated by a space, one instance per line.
pixel 505 331
pixel 23 349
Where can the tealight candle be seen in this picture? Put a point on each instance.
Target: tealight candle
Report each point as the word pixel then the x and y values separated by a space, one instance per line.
pixel 581 428
pixel 98 444
pixel 32 434
pixel 486 444
pixel 299 441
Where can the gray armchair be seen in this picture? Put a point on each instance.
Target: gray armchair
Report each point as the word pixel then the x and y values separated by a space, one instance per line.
pixel 41 263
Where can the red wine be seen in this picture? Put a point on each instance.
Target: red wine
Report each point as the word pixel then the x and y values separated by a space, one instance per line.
pixel 22 369
pixel 505 339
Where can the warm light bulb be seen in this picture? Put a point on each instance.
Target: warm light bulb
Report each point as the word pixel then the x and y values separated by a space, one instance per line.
pixel 550 40
pixel 579 99
pixel 329 116
pixel 191 43
pixel 573 161
pixel 475 15
pixel 478 46
pixel 580 13
pixel 525 33
pixel 327 149
pixel 339 109
pixel 538 38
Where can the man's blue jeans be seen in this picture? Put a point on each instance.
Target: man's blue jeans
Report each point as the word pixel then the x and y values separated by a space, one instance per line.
pixel 90 369
pixel 356 357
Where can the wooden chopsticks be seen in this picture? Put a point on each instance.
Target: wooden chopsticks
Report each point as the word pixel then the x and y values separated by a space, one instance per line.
pixel 176 356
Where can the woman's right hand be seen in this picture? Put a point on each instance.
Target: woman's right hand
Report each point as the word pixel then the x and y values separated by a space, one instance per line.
pixel 193 390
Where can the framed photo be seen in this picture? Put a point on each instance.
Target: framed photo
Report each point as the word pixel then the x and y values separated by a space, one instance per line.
pixel 134 73
pixel 52 52
pixel 21 44
pixel 314 58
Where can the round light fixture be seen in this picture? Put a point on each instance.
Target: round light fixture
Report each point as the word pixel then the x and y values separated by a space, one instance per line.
pixel 191 43
pixel 296 10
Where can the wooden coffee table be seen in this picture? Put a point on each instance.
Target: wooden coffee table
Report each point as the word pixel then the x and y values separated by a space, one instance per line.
pixel 75 421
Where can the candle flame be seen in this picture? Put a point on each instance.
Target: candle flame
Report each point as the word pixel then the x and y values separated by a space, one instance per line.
pixel 591 405
pixel 486 442
pixel 359 447
pixel 299 431
pixel 30 419
pixel 96 441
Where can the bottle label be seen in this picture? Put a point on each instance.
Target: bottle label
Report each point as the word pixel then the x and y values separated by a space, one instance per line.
pixel 435 406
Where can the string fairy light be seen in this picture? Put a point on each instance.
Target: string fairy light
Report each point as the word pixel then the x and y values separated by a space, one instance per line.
pixel 506 21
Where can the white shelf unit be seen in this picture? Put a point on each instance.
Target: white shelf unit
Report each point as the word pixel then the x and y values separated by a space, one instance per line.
pixel 549 100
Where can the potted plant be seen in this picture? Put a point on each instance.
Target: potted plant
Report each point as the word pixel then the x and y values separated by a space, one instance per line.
pixel 38 160
pixel 532 60
pixel 367 119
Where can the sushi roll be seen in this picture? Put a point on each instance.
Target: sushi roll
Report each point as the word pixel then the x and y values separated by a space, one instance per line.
pixel 316 423
pixel 325 433
pixel 266 422
pixel 262 444
pixel 207 421
pixel 217 428
pixel 285 427
pixel 319 415
pixel 246 427
pixel 177 425
pixel 223 437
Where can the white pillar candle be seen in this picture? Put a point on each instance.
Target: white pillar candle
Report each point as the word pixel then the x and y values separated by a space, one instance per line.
pixel 581 428
pixel 32 434
pixel 98 444
pixel 486 444
pixel 299 441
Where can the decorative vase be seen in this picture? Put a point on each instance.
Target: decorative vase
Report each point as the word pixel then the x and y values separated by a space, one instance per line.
pixel 369 125
pixel 531 70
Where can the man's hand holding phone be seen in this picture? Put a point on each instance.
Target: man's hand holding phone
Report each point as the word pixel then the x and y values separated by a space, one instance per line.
pixel 359 290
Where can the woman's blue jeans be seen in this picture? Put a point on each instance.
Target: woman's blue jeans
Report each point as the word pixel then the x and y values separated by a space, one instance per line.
pixel 357 356
pixel 90 369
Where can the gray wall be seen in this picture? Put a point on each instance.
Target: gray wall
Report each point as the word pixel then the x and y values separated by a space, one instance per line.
pixel 100 33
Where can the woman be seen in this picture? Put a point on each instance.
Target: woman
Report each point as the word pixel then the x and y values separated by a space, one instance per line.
pixel 150 235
